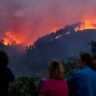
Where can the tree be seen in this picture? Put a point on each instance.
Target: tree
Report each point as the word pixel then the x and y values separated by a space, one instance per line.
pixel 24 86
pixel 93 48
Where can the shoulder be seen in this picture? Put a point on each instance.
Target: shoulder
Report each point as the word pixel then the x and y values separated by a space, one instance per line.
pixel 43 88
pixel 8 70
pixel 78 82
pixel 10 74
pixel 82 72
pixel 78 76
pixel 47 82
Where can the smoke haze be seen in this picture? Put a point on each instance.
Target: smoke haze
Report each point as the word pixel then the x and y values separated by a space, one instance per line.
pixel 27 20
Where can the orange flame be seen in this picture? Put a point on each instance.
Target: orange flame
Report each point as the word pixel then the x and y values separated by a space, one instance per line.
pixel 6 41
pixel 11 39
pixel 23 38
pixel 86 24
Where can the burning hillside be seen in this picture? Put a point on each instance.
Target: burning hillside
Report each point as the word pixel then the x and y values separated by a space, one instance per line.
pixel 24 21
pixel 86 24
pixel 23 38
pixel 20 38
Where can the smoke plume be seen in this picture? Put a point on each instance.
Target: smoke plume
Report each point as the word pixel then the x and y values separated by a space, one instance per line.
pixel 24 21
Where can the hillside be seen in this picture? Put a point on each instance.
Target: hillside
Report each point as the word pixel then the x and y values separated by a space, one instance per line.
pixel 62 44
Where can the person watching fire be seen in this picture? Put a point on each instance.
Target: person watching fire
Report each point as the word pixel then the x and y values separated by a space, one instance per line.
pixel 6 75
pixel 56 85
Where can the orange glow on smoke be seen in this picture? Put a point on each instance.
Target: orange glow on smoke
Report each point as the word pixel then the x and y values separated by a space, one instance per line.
pixel 23 37
pixel 11 38
pixel 87 24
pixel 6 41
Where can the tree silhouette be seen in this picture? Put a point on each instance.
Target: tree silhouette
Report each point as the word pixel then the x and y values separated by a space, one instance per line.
pixel 93 48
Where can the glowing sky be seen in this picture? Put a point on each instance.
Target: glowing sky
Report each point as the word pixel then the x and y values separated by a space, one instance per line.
pixel 27 20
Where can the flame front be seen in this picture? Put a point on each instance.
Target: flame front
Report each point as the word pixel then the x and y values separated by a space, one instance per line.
pixel 86 24
pixel 6 41
pixel 11 38
pixel 24 38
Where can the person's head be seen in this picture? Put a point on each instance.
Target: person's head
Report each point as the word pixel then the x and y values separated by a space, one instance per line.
pixel 56 70
pixel 80 64
pixel 87 59
pixel 3 59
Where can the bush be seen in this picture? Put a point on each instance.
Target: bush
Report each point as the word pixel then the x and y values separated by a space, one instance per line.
pixel 24 86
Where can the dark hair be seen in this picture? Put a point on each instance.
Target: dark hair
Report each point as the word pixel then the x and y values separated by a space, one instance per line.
pixel 3 59
pixel 56 70
pixel 87 59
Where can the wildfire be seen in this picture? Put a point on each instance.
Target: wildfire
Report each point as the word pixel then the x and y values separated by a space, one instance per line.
pixel 86 24
pixel 6 41
pixel 24 38
pixel 11 38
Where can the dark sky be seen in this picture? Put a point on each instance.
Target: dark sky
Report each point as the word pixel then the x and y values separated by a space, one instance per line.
pixel 26 20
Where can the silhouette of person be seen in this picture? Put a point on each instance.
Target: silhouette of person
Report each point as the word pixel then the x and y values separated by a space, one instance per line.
pixel 83 82
pixel 56 85
pixel 6 75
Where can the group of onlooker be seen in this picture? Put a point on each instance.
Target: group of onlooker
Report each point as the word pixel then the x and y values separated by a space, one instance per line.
pixel 80 83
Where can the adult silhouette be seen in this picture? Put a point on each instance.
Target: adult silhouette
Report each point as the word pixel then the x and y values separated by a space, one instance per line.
pixel 83 82
pixel 6 75
pixel 56 85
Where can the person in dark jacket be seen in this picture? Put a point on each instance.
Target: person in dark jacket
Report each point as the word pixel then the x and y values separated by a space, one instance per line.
pixel 83 82
pixel 6 74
